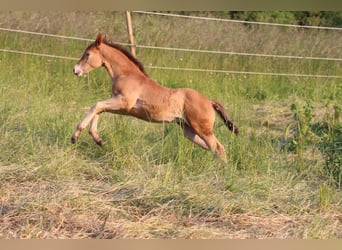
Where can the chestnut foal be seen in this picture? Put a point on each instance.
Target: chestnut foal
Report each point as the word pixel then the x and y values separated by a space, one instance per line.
pixel 135 94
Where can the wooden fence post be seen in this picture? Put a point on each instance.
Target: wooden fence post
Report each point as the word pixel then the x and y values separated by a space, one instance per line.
pixel 130 32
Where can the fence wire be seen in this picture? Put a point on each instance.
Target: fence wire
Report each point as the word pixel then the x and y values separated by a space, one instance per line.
pixel 189 50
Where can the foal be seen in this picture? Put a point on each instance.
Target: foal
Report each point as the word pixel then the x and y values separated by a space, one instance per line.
pixel 135 94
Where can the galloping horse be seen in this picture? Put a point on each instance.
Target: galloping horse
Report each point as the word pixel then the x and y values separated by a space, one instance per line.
pixel 135 94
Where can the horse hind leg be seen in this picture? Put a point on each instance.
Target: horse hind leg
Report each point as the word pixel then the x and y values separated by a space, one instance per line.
pixel 206 142
pixel 215 146
pixel 190 134
pixel 221 153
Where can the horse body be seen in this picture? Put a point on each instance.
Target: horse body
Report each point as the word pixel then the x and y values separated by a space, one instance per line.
pixel 135 94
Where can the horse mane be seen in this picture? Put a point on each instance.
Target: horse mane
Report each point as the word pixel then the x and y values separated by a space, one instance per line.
pixel 128 55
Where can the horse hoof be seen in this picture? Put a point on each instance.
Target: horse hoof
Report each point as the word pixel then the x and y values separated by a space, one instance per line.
pixel 99 142
pixel 73 140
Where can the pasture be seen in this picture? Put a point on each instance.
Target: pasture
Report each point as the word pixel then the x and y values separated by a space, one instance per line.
pixel 283 174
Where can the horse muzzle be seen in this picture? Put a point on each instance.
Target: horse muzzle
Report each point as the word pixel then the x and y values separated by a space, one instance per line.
pixel 77 70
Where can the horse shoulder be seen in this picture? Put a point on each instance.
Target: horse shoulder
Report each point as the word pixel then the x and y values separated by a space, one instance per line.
pixel 126 83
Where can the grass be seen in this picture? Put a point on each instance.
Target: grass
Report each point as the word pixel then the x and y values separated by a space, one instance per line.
pixel 148 181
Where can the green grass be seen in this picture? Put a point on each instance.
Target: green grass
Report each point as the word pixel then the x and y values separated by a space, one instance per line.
pixel 148 181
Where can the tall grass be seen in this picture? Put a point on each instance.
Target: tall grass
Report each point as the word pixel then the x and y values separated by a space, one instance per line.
pixel 148 181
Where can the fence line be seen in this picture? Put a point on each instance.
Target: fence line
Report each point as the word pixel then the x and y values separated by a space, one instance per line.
pixel 243 72
pixel 43 34
pixel 179 49
pixel 236 21
pixel 240 53
pixel 38 54
pixel 184 69
pixel 189 50
pixel 53 35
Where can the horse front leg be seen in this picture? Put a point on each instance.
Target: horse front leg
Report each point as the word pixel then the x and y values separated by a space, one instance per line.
pixel 93 130
pixel 110 105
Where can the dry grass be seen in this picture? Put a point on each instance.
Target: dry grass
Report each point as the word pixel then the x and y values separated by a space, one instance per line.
pixel 44 210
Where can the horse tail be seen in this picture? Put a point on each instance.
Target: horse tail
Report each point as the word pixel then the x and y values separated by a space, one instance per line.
pixel 223 114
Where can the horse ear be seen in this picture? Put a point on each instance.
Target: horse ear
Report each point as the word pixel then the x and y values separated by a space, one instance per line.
pixel 98 40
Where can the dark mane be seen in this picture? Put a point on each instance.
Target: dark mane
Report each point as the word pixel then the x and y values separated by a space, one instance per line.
pixel 129 56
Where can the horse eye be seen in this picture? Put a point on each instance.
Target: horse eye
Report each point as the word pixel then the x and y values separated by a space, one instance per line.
pixel 86 55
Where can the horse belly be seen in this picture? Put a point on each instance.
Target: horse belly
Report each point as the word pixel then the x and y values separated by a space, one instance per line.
pixel 156 113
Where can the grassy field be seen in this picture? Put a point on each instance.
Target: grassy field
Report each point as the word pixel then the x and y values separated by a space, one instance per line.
pixel 283 178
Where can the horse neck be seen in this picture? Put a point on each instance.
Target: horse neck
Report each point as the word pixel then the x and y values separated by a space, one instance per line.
pixel 117 63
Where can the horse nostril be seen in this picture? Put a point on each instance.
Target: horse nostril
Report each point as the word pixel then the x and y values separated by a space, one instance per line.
pixel 76 70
